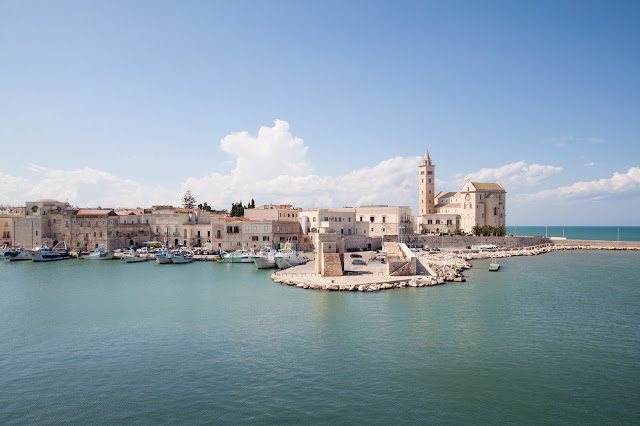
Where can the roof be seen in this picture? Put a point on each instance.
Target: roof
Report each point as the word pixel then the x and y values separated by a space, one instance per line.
pixel 125 213
pixel 487 186
pixel 447 195
pixel 88 212
pixel 448 206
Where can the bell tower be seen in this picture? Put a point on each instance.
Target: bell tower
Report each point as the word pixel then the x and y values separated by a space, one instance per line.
pixel 427 185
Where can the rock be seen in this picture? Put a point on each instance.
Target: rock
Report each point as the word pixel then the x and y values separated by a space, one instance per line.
pixel 386 286
pixel 354 287
pixel 333 287
pixel 362 287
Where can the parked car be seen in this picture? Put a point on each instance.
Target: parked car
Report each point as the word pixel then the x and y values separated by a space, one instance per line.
pixel 435 249
pixel 358 262
pixel 356 255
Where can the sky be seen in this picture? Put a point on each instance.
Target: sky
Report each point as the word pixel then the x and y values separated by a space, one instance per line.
pixel 323 104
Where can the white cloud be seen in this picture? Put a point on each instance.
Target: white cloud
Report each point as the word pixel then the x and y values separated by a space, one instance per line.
pixel 565 140
pixel 590 164
pixel 619 183
pixel 272 167
pixel 86 187
pixel 515 174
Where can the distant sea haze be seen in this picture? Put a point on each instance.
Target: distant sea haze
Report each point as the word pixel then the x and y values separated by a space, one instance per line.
pixel 606 233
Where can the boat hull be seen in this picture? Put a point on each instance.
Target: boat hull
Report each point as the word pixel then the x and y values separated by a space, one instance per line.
pixel 135 259
pixel 49 257
pixel 264 263
pixel 181 259
pixel 163 259
pixel 19 255
pixel 288 262
pixel 99 256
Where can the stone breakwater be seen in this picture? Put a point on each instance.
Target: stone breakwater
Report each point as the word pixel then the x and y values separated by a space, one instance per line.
pixel 442 267
pixel 364 287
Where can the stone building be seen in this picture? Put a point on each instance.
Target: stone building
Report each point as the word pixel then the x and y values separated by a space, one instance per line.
pixel 235 233
pixel 476 204
pixel 7 216
pixel 273 212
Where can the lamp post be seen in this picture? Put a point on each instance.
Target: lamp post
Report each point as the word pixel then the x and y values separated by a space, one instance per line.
pixel 545 231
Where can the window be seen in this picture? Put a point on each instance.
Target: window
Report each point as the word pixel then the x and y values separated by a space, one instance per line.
pixel 94 235
pixel 326 219
pixel 254 238
pixel 236 229
pixel 371 219
pixel 384 219
pixel 218 233
pixel 349 219
pixel 209 234
pixel 229 229
pixel 314 218
pixel 437 221
pixel 255 229
pixel 429 221
pixel 246 228
pixel 36 233
pixel 495 211
pixel 361 219
pixel 429 172
pixel 266 228
pixel 421 172
pixel 54 221
pixel 265 238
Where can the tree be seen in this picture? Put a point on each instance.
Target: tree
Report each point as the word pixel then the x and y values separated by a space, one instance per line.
pixel 188 200
pixel 237 209
pixel 477 230
pixel 204 206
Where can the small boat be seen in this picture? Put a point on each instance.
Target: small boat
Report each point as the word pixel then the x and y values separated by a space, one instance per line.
pixel 166 256
pixel 46 254
pixel 4 252
pixel 98 254
pixel 163 257
pixel 19 254
pixel 238 256
pixel 494 266
pixel 134 257
pixel 265 258
pixel 180 258
pixel 288 258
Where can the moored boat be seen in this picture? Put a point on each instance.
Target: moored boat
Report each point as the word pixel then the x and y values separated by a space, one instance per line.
pixel 265 258
pixel 98 254
pixel 19 254
pixel 46 254
pixel 163 257
pixel 180 258
pixel 494 266
pixel 238 256
pixel 288 258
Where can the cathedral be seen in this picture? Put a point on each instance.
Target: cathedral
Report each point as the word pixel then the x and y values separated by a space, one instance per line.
pixel 476 204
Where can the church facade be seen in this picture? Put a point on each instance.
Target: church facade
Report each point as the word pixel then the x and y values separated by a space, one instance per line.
pixel 476 204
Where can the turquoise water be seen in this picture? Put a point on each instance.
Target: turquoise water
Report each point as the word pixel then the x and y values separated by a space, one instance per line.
pixel 606 233
pixel 551 338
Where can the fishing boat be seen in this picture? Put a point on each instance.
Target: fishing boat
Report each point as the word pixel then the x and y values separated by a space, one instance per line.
pixel 99 253
pixel 133 257
pixel 180 258
pixel 265 258
pixel 19 254
pixel 4 252
pixel 238 256
pixel 287 258
pixel 494 265
pixel 46 254
pixel 163 257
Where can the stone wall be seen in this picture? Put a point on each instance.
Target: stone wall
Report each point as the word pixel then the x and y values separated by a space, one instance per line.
pixel 400 260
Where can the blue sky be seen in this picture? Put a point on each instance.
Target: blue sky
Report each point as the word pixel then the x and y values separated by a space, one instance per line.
pixel 130 103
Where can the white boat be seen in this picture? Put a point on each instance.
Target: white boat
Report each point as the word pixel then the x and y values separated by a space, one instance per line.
pixel 98 254
pixel 133 257
pixel 4 252
pixel 265 258
pixel 238 256
pixel 180 258
pixel 166 256
pixel 494 266
pixel 46 254
pixel 163 257
pixel 19 254
pixel 287 258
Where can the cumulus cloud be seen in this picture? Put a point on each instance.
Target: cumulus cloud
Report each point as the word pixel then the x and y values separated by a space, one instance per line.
pixel 619 183
pixel 273 167
pixel 85 186
pixel 515 173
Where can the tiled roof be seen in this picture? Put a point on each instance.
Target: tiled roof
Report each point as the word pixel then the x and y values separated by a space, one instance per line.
pixel 487 186
pixel 448 206
pixel 89 212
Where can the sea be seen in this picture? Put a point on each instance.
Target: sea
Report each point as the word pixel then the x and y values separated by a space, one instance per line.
pixel 553 338
pixel 607 233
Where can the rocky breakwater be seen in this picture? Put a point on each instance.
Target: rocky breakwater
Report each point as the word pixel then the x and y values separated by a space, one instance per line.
pixel 446 266
pixel 365 287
